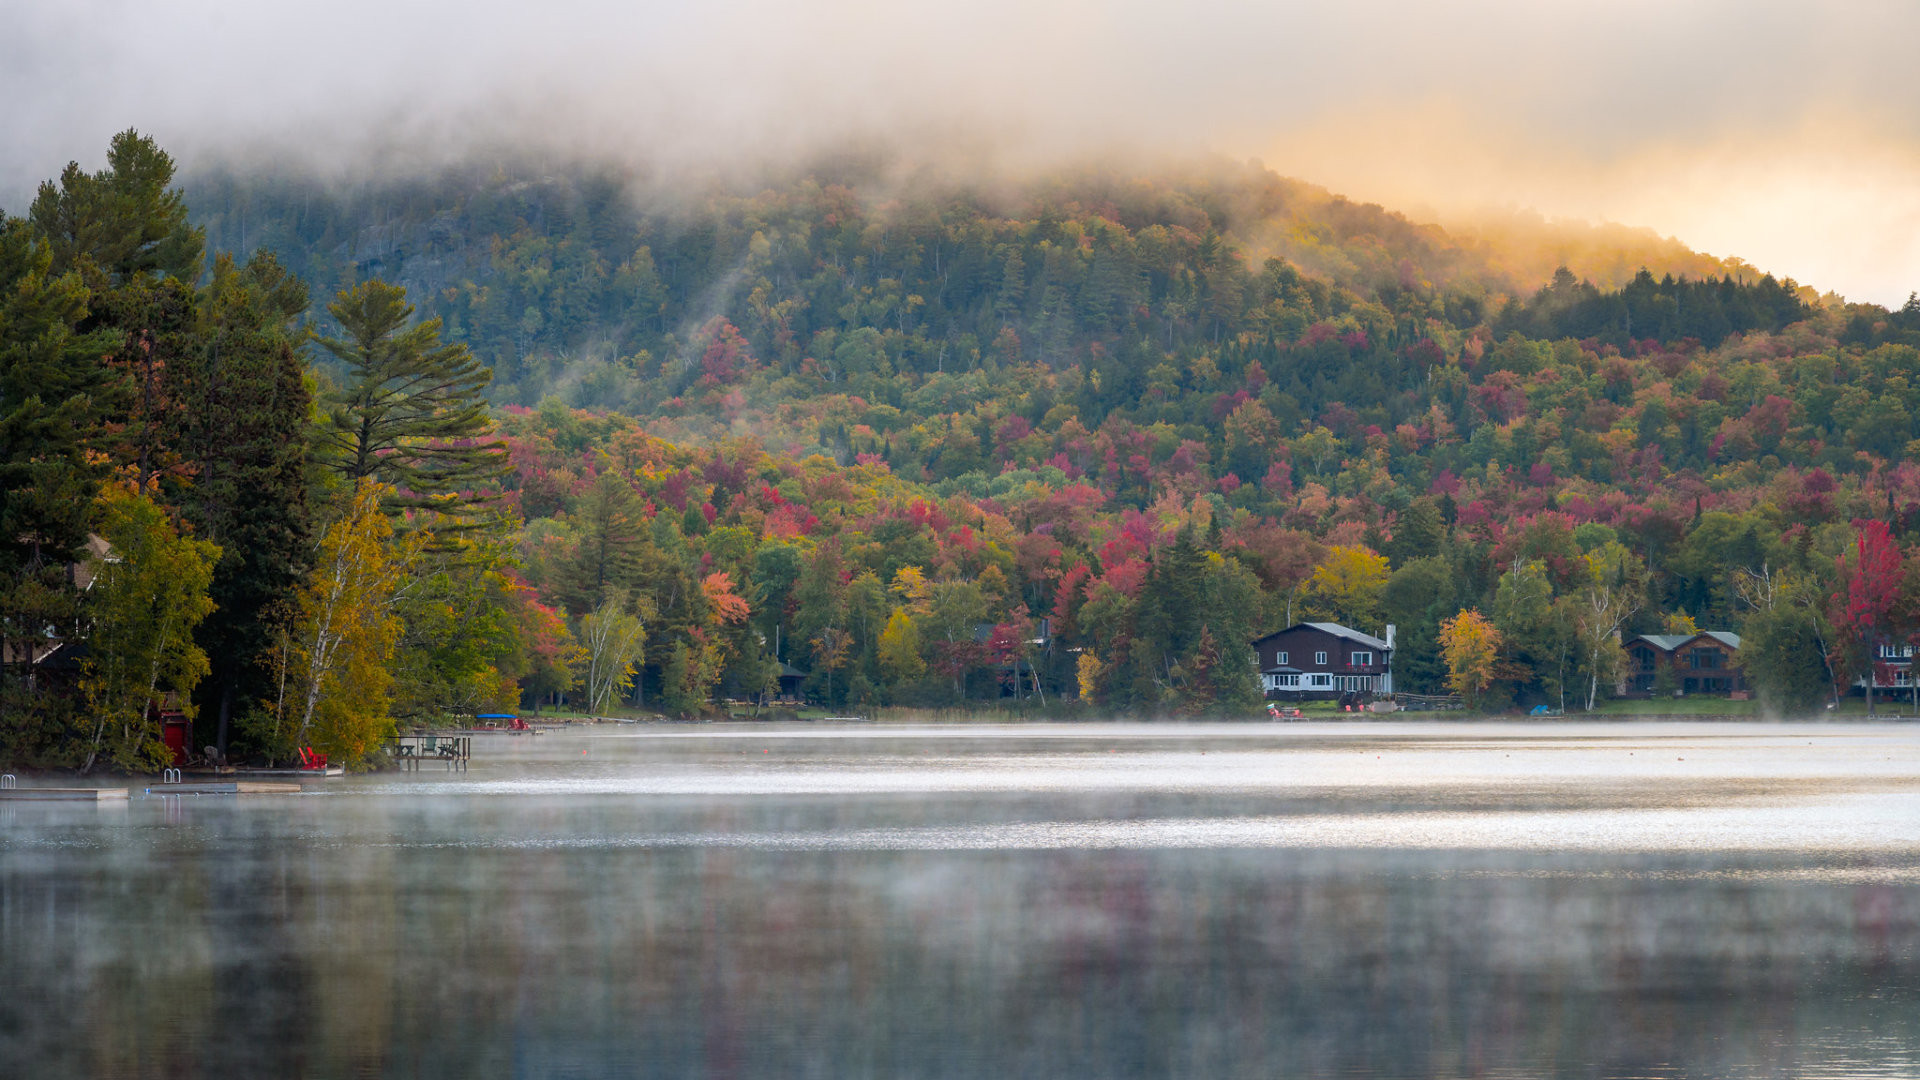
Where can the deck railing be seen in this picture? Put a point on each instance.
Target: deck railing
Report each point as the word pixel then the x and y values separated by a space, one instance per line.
pixel 455 750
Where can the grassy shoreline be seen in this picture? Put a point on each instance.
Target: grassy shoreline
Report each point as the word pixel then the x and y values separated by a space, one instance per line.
pixel 1677 709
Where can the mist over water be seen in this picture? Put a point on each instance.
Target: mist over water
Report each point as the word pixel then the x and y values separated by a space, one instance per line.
pixel 1125 900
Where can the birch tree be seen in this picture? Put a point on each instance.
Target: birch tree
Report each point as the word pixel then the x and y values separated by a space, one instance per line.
pixel 347 629
pixel 1610 596
pixel 615 642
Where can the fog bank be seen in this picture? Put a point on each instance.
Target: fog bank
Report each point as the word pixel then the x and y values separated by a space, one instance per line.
pixel 1785 135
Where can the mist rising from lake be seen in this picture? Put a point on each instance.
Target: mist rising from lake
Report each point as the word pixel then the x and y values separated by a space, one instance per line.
pixel 1125 900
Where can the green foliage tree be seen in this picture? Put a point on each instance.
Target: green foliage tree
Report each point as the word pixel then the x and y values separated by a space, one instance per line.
pixel 123 222
pixel 149 591
pixel 611 546
pixel 245 413
pixel 49 381
pixel 409 412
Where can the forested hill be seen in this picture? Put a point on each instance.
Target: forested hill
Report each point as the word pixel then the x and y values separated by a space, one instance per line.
pixel 588 286
pixel 416 449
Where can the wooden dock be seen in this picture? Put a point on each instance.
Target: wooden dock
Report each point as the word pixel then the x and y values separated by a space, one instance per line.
pixel 240 773
pixel 230 787
pixel 62 794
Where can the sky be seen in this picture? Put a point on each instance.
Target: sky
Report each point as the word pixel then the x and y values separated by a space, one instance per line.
pixel 1784 134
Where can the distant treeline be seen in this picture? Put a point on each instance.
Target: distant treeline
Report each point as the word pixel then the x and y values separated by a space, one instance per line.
pixel 1707 311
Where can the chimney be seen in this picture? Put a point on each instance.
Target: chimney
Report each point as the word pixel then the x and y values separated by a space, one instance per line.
pixel 1389 635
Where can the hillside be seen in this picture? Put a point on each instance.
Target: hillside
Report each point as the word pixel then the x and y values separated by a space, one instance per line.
pixel 875 430
pixel 580 283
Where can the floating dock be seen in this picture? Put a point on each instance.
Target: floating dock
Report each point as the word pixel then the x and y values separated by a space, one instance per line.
pixel 237 774
pixel 62 794
pixel 230 787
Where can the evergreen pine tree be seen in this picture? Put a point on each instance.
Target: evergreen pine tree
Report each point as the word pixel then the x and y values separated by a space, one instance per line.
pixel 122 223
pixel 49 376
pixel 410 414
pixel 246 409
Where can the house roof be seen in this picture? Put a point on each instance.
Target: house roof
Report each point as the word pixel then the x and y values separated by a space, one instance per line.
pixel 1350 634
pixel 1670 642
pixel 1336 630
pixel 1281 670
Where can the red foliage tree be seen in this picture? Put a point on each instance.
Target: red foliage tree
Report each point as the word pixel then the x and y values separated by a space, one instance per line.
pixel 1870 578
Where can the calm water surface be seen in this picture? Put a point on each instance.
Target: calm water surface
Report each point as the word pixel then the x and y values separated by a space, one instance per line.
pixel 1104 901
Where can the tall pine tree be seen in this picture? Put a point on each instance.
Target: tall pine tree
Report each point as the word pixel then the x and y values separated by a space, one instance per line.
pixel 410 413
pixel 49 377
pixel 121 223
pixel 246 410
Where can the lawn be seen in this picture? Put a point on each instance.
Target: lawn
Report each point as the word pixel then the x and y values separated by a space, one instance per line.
pixel 1697 705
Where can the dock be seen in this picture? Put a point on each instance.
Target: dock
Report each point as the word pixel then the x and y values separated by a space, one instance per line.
pixel 454 750
pixel 62 794
pixel 236 773
pixel 230 787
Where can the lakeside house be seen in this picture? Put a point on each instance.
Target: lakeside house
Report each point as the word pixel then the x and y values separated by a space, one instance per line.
pixel 1702 663
pixel 49 663
pixel 1324 660
pixel 1892 667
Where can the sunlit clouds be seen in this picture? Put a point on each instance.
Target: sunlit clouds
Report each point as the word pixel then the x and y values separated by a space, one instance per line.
pixel 1785 135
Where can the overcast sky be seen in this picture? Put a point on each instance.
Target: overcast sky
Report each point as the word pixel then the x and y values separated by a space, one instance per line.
pixel 1785 134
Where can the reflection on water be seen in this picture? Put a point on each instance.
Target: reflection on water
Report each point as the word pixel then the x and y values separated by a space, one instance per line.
pixel 1379 900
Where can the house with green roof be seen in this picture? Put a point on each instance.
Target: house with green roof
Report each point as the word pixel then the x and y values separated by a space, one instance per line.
pixel 1702 663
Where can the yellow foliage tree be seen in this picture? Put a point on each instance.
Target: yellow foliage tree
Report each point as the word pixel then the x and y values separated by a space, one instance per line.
pixel 344 636
pixel 900 659
pixel 1350 585
pixel 1471 646
pixel 1088 671
pixel 910 584
pixel 148 595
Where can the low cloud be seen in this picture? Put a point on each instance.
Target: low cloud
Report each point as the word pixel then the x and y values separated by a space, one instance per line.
pixel 1782 134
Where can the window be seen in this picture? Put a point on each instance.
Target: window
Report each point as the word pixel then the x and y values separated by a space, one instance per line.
pixel 1320 682
pixel 1283 682
pixel 1279 658
pixel 1363 659
pixel 1705 658
pixel 1320 658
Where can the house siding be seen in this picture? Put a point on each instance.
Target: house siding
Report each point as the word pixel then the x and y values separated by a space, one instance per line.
pixel 1701 664
pixel 1340 672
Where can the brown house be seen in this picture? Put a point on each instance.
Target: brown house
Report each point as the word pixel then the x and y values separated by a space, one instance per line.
pixel 1702 663
pixel 1308 660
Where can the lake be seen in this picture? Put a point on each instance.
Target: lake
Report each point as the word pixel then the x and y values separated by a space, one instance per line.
pixel 1257 900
